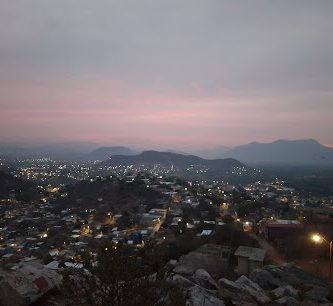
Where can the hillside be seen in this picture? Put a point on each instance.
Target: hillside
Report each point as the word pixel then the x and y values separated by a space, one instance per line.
pixel 104 153
pixel 177 160
pixel 306 152
pixel 12 186
pixel 185 166
pixel 113 193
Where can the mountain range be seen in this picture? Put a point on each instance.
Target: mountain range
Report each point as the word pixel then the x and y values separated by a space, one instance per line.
pixel 296 152
pixel 300 152
pixel 104 153
pixel 180 165
pixel 151 158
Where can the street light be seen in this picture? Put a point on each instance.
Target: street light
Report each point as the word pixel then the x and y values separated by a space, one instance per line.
pixel 317 238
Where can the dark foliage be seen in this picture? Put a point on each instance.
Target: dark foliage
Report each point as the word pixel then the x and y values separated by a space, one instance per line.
pixel 122 278
pixel 23 190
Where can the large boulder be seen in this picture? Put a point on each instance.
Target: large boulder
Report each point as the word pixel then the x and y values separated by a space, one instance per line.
pixel 184 270
pixel 288 300
pixel 318 293
pixel 285 291
pixel 198 296
pixel 181 281
pixel 286 276
pixel 27 284
pixel 230 285
pixel 230 291
pixel 253 289
pixel 244 288
pixel 265 279
pixel 203 278
pixel 293 275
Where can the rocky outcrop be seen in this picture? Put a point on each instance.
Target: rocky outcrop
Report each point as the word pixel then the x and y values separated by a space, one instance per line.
pixel 184 270
pixel 182 281
pixel 265 279
pixel 198 296
pixel 285 291
pixel 253 289
pixel 233 292
pixel 272 285
pixel 288 300
pixel 203 278
pixel 318 294
pixel 27 284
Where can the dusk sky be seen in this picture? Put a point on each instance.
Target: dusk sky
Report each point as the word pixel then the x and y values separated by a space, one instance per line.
pixel 166 74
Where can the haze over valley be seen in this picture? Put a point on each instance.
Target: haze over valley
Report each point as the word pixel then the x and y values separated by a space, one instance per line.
pixel 166 153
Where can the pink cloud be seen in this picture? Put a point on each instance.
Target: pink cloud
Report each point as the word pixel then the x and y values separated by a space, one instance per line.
pixel 112 112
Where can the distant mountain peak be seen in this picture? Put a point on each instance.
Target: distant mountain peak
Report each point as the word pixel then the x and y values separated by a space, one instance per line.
pixel 302 151
pixel 104 153
pixel 304 141
pixel 182 165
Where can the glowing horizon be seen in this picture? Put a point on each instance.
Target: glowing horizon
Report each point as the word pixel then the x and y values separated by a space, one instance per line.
pixel 160 75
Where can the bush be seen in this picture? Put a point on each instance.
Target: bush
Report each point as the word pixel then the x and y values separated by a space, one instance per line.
pixel 122 278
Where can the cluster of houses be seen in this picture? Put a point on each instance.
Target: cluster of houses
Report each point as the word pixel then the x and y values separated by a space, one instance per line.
pixel 40 237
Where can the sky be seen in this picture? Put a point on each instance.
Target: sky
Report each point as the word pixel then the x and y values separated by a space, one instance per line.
pixel 165 73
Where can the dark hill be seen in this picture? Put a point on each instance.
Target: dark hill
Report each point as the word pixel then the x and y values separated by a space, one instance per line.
pixel 184 166
pixel 114 194
pixel 104 153
pixel 151 158
pixel 22 189
pixel 305 152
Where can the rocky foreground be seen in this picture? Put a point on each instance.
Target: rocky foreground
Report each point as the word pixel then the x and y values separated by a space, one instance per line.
pixel 271 285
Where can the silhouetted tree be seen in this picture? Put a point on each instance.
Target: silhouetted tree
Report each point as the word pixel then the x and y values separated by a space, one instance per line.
pixel 121 278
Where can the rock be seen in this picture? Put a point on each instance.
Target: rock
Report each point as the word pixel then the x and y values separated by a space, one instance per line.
pixel 253 289
pixel 200 297
pixel 318 293
pixel 265 279
pixel 230 285
pixel 296 276
pixel 182 281
pixel 27 284
pixel 245 289
pixel 203 278
pixel 288 300
pixel 311 303
pixel 184 270
pixel 285 291
pixel 230 291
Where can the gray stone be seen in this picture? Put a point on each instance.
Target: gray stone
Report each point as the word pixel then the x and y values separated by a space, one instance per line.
pixel 296 276
pixel 198 296
pixel 265 279
pixel 318 293
pixel 229 290
pixel 285 291
pixel 253 289
pixel 203 278
pixel 230 285
pixel 22 287
pixel 182 281
pixel 184 270
pixel 246 289
pixel 288 300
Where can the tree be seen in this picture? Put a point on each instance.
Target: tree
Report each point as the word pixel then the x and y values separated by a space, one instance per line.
pixel 228 219
pixel 121 278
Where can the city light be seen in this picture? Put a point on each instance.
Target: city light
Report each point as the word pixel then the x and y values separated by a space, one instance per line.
pixel 317 238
